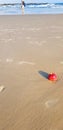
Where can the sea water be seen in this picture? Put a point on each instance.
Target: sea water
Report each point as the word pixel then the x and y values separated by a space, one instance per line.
pixel 31 8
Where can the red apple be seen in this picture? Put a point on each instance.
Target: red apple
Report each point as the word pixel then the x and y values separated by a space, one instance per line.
pixel 52 77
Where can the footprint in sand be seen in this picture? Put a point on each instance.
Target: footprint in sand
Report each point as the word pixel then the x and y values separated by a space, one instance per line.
pixel 2 88
pixel 51 103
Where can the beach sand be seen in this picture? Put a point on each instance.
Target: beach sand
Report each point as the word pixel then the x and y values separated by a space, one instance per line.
pixel 31 47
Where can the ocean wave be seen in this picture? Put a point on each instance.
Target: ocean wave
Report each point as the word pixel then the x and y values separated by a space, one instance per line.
pixel 35 5
pixel 44 5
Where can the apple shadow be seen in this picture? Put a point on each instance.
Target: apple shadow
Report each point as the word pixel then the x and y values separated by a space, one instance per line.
pixel 43 74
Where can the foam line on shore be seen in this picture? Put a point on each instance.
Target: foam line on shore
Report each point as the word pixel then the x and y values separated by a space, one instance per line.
pixel 26 62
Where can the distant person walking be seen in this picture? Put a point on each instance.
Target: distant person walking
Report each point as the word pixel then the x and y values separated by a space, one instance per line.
pixel 22 4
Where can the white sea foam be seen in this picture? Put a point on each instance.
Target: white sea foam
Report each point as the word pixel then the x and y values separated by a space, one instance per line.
pixel 39 8
pixel 26 62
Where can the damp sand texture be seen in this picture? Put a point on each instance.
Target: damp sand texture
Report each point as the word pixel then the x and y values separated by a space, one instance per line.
pixel 31 47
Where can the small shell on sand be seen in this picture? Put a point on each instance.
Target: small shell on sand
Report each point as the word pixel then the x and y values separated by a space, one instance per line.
pixel 2 88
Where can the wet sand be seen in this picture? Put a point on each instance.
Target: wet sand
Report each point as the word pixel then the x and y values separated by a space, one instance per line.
pixel 31 47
